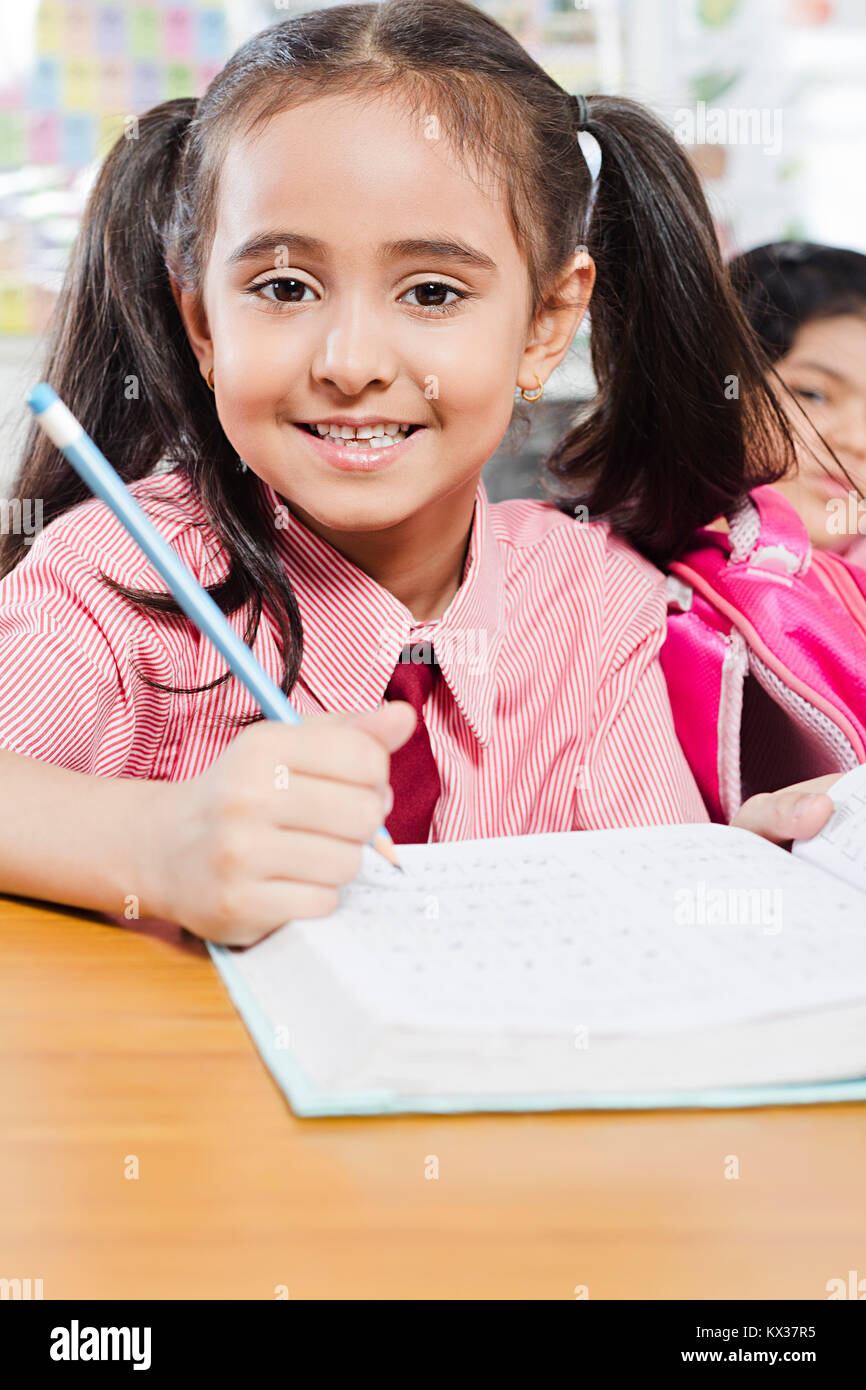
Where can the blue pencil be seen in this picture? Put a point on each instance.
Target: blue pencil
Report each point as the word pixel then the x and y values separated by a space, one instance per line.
pixel 93 467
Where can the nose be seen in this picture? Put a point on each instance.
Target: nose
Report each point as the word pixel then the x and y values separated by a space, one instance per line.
pixel 354 351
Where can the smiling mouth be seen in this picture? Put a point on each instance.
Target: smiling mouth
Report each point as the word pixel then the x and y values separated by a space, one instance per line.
pixel 377 454
pixel 374 441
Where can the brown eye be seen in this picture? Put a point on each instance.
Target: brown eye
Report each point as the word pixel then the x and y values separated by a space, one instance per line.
pixel 431 296
pixel 285 291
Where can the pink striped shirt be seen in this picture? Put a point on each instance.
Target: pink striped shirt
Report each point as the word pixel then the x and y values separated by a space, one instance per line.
pixel 551 714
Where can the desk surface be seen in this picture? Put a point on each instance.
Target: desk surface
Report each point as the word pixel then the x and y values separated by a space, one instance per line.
pixel 121 1041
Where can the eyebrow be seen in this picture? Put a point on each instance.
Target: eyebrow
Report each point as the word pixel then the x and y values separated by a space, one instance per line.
pixel 818 367
pixel 438 248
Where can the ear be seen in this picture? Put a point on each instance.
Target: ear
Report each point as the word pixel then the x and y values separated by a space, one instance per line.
pixel 195 322
pixel 558 320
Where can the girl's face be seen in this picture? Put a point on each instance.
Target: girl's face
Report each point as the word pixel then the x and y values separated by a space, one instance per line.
pixel 359 274
pixel 826 371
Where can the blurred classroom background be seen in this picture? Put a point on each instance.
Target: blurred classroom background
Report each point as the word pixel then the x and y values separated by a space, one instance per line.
pixel 766 94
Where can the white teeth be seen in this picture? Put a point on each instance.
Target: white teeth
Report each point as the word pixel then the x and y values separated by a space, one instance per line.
pixel 384 443
pixel 384 434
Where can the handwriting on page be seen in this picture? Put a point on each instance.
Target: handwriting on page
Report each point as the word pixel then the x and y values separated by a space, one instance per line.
pixel 616 931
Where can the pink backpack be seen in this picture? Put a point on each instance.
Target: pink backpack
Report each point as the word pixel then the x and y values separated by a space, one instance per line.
pixel 765 657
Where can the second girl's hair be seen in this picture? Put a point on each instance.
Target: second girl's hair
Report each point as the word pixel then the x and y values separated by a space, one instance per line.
pixel 786 284
pixel 682 423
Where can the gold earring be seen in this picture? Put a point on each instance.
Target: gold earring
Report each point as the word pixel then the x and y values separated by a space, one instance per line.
pixel 538 394
pixel 209 378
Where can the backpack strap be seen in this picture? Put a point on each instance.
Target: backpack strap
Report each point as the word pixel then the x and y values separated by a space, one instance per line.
pixel 767 534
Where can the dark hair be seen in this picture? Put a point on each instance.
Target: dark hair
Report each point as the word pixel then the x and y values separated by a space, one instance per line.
pixel 683 422
pixel 664 447
pixel 785 284
pixel 116 317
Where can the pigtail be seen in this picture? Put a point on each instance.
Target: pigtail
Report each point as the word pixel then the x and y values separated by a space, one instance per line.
pixel 120 358
pixel 117 351
pixel 683 423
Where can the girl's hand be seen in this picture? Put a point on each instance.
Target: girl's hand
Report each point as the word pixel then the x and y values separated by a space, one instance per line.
pixel 272 829
pixel 794 813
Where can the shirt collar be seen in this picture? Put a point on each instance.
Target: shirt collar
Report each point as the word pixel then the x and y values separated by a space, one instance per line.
pixel 355 630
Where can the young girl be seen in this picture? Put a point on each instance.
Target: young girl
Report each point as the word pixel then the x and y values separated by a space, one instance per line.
pixel 369 224
pixel 807 304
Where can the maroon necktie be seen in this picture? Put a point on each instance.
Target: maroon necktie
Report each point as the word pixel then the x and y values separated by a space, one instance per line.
pixel 414 775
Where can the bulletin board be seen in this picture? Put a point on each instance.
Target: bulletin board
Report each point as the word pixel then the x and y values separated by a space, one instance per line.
pixel 93 65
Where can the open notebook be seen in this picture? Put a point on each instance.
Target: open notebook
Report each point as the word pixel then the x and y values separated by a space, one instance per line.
pixel 688 965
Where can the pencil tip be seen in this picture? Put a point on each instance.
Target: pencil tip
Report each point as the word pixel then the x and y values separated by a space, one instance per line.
pixel 383 843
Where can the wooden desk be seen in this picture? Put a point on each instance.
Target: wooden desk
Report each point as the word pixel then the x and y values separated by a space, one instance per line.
pixel 122 1041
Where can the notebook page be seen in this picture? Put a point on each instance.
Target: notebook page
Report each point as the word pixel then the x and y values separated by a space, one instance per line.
pixel 840 848
pixel 618 932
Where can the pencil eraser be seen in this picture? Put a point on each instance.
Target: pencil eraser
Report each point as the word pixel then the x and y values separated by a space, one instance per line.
pixel 41 397
pixel 54 417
